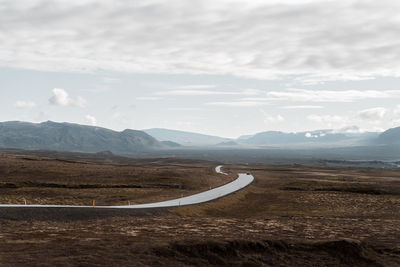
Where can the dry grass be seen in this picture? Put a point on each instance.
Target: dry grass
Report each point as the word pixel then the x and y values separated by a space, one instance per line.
pixel 290 216
pixel 53 181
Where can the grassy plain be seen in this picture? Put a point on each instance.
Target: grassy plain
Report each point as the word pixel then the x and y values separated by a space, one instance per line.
pixel 40 180
pixel 290 216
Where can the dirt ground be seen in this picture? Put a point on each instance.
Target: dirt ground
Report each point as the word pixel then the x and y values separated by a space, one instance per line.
pixel 290 216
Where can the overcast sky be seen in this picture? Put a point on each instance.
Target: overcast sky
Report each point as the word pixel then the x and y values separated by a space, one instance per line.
pixel 221 67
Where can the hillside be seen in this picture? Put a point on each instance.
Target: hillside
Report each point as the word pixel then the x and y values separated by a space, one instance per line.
pixel 185 138
pixel 391 136
pixel 73 137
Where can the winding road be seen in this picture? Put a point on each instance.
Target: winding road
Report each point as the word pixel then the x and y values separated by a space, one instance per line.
pixel 243 180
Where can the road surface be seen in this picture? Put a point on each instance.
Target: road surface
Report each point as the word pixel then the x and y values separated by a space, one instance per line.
pixel 242 181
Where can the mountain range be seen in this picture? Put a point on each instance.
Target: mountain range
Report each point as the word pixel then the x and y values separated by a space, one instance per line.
pixel 81 138
pixel 318 137
pixel 326 137
pixel 73 137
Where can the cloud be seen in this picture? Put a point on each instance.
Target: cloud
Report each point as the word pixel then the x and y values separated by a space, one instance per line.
pixel 273 119
pixel 110 80
pixel 192 92
pixel 305 95
pixel 237 103
pixel 329 120
pixel 372 114
pixel 184 108
pixel 149 98
pixel 352 129
pixel 302 107
pixel 396 110
pixel 312 40
pixel 310 135
pixel 61 98
pixel 25 104
pixel 91 120
pixel 198 86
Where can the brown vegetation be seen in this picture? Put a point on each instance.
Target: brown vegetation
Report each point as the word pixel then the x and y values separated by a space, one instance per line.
pixel 291 215
pixel 41 180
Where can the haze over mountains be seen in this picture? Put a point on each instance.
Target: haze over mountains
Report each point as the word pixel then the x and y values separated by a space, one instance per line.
pixel 81 138
pixel 185 138
pixel 268 138
pixel 318 137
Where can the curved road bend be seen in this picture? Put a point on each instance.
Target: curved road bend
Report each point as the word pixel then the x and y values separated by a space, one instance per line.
pixel 242 181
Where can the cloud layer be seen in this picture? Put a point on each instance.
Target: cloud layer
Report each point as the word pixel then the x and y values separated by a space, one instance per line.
pixel 316 40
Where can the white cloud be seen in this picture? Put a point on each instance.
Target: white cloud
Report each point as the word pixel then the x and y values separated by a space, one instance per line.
pixel 198 86
pixel 273 119
pixel 349 129
pixel 314 40
pixel 25 104
pixel 309 135
pixel 192 92
pixel 334 121
pixel 150 98
pixel 302 107
pixel 184 108
pixel 372 114
pixel 304 95
pixel 91 120
pixel 237 104
pixel 268 118
pixel 61 98
pixel 111 80
pixel 396 110
pixel 396 122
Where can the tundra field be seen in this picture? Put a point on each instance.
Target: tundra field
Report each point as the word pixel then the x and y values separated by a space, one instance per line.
pixel 290 215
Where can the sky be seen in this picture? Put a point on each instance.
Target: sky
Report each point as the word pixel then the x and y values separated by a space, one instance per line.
pixel 219 67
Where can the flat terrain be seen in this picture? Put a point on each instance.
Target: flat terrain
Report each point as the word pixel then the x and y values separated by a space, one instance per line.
pixel 290 216
pixel 39 180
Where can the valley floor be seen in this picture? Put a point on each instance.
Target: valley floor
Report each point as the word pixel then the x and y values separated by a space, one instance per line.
pixel 290 216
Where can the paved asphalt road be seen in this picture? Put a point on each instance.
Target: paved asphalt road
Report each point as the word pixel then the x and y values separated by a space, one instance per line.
pixel 242 181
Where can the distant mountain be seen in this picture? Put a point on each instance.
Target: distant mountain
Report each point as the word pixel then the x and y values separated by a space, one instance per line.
pixel 391 136
pixel 185 138
pixel 73 137
pixel 245 137
pixel 227 143
pixel 317 137
pixel 171 144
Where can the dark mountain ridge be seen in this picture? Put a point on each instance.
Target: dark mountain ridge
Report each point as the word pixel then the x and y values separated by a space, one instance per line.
pixel 73 137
